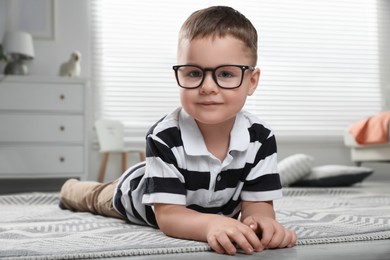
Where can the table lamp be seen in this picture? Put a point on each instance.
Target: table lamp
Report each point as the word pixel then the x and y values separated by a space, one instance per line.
pixel 18 46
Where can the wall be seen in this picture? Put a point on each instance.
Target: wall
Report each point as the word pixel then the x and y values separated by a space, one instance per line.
pixel 72 33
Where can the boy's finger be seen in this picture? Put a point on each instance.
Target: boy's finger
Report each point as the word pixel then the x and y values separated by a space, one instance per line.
pixel 287 239
pixel 279 239
pixel 253 226
pixel 250 222
pixel 266 235
pixel 254 240
pixel 293 239
pixel 214 244
pixel 226 243
pixel 242 242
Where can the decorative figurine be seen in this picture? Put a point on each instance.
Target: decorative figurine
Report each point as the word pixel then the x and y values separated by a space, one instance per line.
pixel 71 68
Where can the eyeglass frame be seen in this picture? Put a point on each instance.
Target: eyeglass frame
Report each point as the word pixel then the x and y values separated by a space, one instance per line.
pixel 212 70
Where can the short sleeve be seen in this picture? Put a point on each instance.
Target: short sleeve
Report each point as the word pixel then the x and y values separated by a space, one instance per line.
pixel 262 183
pixel 163 182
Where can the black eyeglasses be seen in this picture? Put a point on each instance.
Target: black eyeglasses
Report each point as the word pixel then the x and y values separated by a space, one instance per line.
pixel 225 76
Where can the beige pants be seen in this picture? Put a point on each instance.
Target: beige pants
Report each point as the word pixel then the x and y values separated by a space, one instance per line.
pixel 88 196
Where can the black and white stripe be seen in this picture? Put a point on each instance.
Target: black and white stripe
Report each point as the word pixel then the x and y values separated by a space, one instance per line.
pixel 180 170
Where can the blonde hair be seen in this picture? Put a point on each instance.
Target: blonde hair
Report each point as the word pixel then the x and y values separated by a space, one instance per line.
pixel 220 21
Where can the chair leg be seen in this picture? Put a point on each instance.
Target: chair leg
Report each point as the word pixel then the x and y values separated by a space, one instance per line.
pixel 124 161
pixel 142 156
pixel 102 171
pixel 358 164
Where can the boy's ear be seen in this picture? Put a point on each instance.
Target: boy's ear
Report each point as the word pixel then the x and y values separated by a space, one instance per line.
pixel 254 81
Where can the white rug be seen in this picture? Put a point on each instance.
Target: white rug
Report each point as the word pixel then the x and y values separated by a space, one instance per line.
pixel 334 215
pixel 33 227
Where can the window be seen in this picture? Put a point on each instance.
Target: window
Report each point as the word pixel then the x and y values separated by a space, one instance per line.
pixel 319 62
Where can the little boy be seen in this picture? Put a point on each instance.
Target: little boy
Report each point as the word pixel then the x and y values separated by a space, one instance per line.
pixel 211 169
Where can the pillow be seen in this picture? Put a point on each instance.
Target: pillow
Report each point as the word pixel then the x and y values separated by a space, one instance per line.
pixel 334 176
pixel 294 168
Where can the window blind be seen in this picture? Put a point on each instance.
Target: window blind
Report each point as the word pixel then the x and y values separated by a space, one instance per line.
pixel 319 62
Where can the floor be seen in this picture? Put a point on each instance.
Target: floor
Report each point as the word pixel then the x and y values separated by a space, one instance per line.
pixel 10 186
pixel 367 250
pixel 372 250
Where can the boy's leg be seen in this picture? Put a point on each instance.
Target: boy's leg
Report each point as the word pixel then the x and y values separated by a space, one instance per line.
pixel 92 197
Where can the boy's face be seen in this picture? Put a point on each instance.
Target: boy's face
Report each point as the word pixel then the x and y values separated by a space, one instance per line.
pixel 210 104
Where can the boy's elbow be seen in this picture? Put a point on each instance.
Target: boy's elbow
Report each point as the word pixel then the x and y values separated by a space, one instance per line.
pixel 165 218
pixel 162 223
pixel 176 221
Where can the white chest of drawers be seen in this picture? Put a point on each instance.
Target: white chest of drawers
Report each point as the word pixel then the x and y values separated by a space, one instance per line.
pixel 43 123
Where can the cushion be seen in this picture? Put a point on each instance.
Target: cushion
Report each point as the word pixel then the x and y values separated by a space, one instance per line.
pixel 334 176
pixel 294 168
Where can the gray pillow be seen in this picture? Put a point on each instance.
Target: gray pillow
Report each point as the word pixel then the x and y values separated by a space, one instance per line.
pixel 294 168
pixel 334 176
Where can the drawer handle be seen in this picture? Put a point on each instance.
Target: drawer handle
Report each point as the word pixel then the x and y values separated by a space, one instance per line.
pixel 62 128
pixel 62 96
pixel 62 159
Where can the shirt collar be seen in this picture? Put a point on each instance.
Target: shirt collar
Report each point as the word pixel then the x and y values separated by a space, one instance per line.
pixel 239 136
pixel 193 141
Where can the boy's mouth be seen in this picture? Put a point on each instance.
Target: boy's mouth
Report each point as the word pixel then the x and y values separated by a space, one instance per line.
pixel 209 103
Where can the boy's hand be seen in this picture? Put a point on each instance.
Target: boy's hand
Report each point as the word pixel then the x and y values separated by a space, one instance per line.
pixel 272 234
pixel 224 232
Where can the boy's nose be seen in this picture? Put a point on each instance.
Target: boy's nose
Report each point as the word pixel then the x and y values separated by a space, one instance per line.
pixel 209 85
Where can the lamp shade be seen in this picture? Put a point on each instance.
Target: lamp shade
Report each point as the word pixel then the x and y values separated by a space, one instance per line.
pixel 18 43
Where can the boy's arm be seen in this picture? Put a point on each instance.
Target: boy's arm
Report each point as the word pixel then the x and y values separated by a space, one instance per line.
pixel 263 208
pixel 260 216
pixel 219 231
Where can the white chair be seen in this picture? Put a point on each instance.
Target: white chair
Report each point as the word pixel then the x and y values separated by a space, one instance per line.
pixel 110 134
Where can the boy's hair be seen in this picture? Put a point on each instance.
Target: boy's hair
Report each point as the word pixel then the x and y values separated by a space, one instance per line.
pixel 219 21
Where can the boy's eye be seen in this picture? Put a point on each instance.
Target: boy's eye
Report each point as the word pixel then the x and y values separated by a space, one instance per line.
pixel 225 74
pixel 194 74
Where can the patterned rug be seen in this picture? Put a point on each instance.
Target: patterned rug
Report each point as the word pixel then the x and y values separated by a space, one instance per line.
pixel 33 227
pixel 321 216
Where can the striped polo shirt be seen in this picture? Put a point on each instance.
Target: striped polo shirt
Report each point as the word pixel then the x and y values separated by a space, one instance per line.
pixel 180 170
